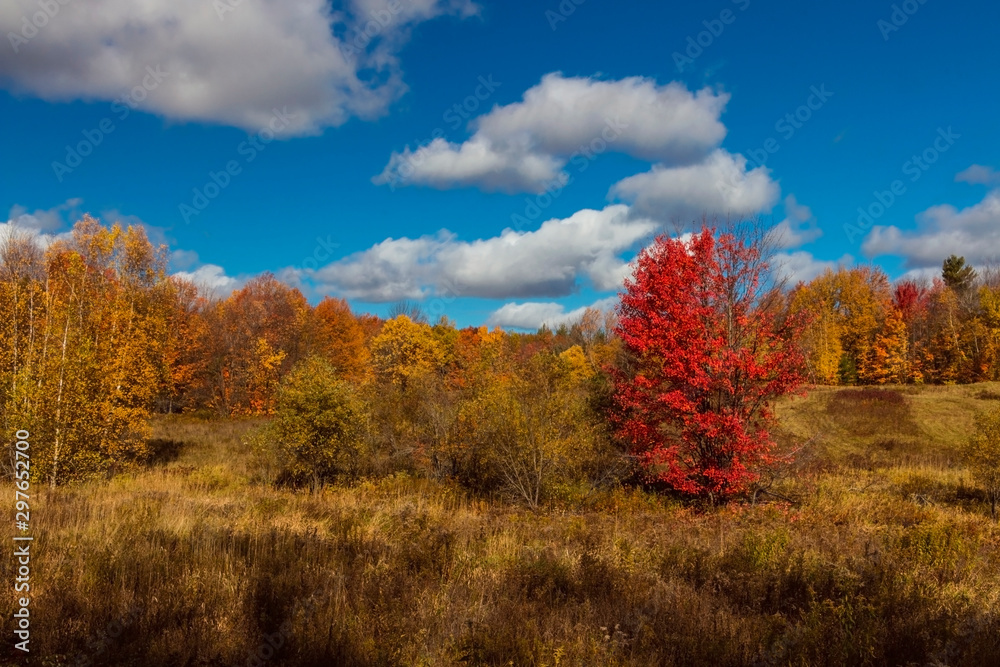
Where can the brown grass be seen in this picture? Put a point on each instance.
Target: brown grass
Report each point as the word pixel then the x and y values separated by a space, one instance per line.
pixel 193 563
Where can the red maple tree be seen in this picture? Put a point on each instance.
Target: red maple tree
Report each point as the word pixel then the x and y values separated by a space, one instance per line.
pixel 710 346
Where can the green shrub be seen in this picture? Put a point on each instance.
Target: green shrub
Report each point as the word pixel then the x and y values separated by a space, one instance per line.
pixel 316 434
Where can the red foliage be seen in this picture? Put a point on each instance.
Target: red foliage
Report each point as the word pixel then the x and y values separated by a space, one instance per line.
pixel 709 349
pixel 909 298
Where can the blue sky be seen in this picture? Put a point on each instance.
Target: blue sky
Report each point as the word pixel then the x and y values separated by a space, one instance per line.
pixel 373 185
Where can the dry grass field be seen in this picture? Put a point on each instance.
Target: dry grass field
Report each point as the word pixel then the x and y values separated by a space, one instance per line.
pixel 874 548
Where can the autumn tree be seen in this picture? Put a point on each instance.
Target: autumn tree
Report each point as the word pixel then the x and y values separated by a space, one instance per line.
pixel 909 299
pixel 334 333
pixel 943 356
pixel 87 347
pixel 405 350
pixel 411 406
pixel 863 297
pixel 22 318
pixel 709 354
pixel 989 305
pixel 821 339
pixel 189 349
pixel 258 334
pixel 888 361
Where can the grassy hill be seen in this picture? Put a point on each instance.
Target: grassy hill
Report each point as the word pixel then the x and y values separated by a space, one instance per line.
pixel 872 548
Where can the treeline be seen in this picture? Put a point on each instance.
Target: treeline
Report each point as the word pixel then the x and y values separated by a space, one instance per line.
pixel 866 330
pixel 95 335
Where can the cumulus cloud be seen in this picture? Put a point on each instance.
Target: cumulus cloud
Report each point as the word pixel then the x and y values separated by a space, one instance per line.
pixel 42 226
pixel 548 262
pixel 212 279
pixel 924 276
pixel 219 62
pixel 46 220
pixel 720 186
pixel 183 259
pixel 13 229
pixel 533 315
pixel 972 232
pixel 977 174
pixel 801 266
pixel 477 162
pixel 524 146
pixel 798 228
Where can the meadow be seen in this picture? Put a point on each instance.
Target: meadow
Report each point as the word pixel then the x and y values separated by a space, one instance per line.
pixel 873 547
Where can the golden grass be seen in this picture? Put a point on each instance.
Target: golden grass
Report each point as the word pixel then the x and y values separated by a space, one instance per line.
pixel 888 558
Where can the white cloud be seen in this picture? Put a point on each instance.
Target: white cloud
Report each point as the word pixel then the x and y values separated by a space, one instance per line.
pixel 232 66
pixel 977 174
pixel 720 186
pixel 798 228
pixel 12 227
pixel 523 146
pixel 802 266
pixel 533 315
pixel 46 220
pixel 550 261
pixel 43 226
pixel 972 232
pixel 183 259
pixel 922 276
pixel 212 279
pixel 475 163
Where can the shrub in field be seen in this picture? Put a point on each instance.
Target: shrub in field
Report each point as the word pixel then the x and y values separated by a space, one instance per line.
pixel 316 434
pixel 983 455
pixel 524 427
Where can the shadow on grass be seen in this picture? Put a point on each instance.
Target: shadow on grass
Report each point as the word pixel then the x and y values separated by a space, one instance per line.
pixel 164 450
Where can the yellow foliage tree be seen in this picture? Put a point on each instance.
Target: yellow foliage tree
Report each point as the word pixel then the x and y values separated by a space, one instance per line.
pixel 577 364
pixel 405 350
pixel 87 353
pixel 888 361
pixel 821 338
